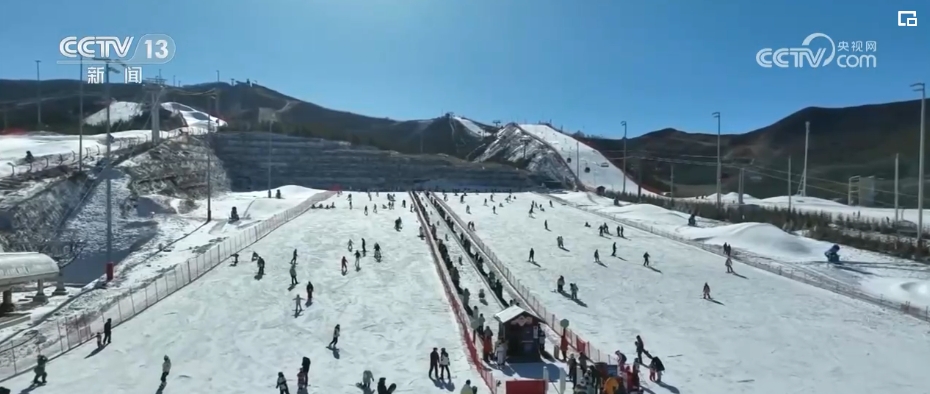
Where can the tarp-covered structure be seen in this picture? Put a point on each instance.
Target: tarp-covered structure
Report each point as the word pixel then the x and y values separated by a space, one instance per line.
pixel 19 268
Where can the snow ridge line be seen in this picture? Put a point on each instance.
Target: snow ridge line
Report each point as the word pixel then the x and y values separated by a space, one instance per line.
pixel 457 308
pixel 84 332
pixel 525 296
pixel 753 260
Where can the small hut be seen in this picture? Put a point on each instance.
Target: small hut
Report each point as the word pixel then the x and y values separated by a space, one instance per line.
pixel 521 331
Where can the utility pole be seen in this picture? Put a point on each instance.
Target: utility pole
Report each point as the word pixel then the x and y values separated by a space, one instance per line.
pixel 741 185
pixel 577 164
pixel 623 123
pixel 38 96
pixel 922 88
pixel 671 190
pixel 719 171
pixel 217 96
pixel 81 117
pixel 209 171
pixel 789 185
pixel 270 132
pixel 896 174
pixel 807 136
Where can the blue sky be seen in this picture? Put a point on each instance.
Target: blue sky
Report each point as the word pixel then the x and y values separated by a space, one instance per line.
pixel 584 64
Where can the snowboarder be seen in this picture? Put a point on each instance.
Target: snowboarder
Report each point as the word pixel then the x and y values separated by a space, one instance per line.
pixel 332 344
pixel 706 291
pixel 293 272
pixel 729 265
pixel 40 370
pixel 165 368
pixel 384 389
pixel 302 380
pixel 433 364
pixel 297 307
pixel 655 370
pixel 560 284
pixel 646 259
pixel 532 255
pixel 107 331
pixel 282 384
pixel 367 377
pixel 640 349
pixel 444 364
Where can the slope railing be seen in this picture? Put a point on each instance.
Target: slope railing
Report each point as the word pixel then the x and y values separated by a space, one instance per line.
pixel 55 337
pixel 457 309
pixel 756 261
pixel 529 300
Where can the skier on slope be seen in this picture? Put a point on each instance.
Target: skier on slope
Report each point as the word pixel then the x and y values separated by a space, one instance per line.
pixel 614 252
pixel 532 255
pixel 39 370
pixel 165 368
pixel 332 344
pixel 350 245
pixel 364 249
pixel 597 256
pixel 345 265
pixel 293 272
pixel 444 364
pixel 646 259
pixel 546 224
pixel 358 258
pixel 707 291
pixel 729 265
pixel 309 291
pixel 294 258
pixel 282 384
pixel 560 284
pixel 433 364
pixel 261 266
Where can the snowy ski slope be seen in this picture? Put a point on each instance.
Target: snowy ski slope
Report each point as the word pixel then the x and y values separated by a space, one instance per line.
pixel 126 110
pixel 602 172
pixel 471 127
pixel 13 147
pixel 767 334
pixel 882 276
pixel 229 332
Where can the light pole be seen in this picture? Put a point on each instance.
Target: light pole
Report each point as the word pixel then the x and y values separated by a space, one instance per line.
pixel 623 123
pixel 922 88
pixel 38 96
pixel 109 162
pixel 81 116
pixel 717 116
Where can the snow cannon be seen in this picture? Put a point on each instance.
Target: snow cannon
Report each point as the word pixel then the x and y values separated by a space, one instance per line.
pixel 692 221
pixel 833 254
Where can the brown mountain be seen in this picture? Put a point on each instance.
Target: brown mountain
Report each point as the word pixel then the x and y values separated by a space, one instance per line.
pixel 844 142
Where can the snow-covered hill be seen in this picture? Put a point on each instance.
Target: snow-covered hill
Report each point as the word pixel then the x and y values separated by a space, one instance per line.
pixel 514 145
pixel 587 163
pixel 126 110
